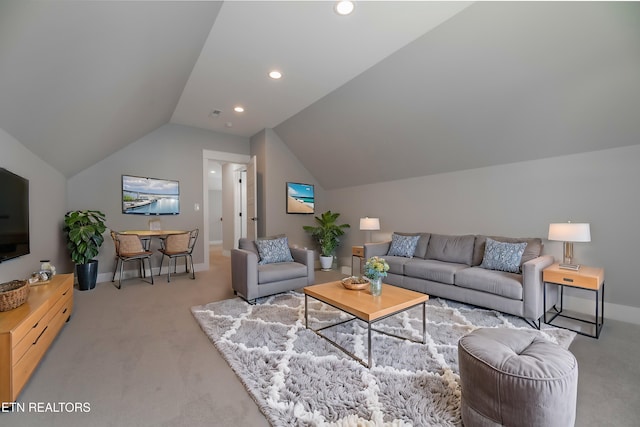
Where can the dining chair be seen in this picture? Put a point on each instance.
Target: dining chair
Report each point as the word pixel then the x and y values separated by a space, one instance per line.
pixel 129 247
pixel 179 245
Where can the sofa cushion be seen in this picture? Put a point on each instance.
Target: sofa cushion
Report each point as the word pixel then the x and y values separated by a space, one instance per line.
pixel 396 263
pixel 274 250
pixel 533 249
pixel 508 285
pixel 248 245
pixel 402 245
pixel 456 249
pixel 434 270
pixel 503 256
pixel 423 242
pixel 277 272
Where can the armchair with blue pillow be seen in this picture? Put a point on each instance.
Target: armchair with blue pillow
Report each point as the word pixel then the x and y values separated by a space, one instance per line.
pixel 269 266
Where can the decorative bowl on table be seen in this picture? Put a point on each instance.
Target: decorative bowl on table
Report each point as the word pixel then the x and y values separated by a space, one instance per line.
pixel 355 283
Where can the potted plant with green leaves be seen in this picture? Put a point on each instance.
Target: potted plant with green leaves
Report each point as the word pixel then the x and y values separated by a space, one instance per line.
pixel 327 234
pixel 83 231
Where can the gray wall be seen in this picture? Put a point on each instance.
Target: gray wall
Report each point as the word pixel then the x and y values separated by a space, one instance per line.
pixel 277 167
pixel 47 206
pixel 520 200
pixel 170 152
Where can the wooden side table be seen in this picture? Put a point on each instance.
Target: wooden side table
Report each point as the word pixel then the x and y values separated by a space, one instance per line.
pixel 587 278
pixel 357 252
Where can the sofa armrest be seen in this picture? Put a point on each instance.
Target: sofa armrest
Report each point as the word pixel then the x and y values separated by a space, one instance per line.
pixel 244 273
pixel 532 286
pixel 308 258
pixel 376 249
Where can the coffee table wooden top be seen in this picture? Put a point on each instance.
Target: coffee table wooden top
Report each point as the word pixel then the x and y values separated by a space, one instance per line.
pixel 362 304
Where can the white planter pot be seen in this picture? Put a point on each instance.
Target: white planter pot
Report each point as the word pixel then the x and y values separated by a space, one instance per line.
pixel 326 262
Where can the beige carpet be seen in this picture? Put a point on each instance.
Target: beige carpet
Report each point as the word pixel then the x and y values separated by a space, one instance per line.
pixel 140 358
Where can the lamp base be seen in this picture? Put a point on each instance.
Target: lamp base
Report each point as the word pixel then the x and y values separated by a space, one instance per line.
pixel 574 267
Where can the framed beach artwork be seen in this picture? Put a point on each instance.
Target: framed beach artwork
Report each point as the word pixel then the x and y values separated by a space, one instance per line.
pixel 300 198
pixel 150 196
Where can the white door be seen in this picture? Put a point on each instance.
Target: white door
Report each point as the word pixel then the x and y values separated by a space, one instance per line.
pixel 252 208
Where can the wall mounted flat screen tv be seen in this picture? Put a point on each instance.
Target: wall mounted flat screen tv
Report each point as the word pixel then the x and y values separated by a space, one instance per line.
pixel 14 215
pixel 300 198
pixel 150 196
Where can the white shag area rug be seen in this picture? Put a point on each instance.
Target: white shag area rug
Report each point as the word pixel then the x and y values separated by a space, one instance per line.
pixel 299 379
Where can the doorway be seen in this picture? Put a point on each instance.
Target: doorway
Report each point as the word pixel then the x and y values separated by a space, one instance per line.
pixel 227 193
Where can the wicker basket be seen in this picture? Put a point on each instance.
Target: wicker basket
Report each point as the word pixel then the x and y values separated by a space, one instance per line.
pixel 13 294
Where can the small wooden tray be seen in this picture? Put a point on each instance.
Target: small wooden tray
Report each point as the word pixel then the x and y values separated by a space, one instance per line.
pixel 40 282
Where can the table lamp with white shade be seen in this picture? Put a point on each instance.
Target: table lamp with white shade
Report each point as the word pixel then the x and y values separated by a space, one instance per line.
pixel 368 224
pixel 569 232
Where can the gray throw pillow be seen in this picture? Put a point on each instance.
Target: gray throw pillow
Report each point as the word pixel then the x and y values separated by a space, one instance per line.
pixel 423 242
pixel 503 256
pixel 274 250
pixel 532 251
pixel 403 246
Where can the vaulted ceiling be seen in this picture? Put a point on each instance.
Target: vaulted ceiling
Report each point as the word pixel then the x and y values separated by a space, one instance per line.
pixel 392 91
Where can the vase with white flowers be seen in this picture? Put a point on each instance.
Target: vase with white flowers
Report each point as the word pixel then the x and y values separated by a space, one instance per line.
pixel 375 269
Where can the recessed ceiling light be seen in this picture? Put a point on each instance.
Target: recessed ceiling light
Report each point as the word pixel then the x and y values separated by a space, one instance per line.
pixel 344 7
pixel 238 109
pixel 275 74
pixel 212 171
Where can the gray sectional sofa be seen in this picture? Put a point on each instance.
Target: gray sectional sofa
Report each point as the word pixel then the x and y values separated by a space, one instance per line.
pixel 452 267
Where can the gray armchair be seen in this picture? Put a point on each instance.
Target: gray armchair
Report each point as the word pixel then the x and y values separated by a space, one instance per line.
pixel 251 280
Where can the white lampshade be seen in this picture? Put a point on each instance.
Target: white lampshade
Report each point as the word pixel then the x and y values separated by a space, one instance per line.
pixel 570 232
pixel 367 223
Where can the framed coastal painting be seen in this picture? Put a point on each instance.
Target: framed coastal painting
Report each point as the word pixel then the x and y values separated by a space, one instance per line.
pixel 300 198
pixel 150 196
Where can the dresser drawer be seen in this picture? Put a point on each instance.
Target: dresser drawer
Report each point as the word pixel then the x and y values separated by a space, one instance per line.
pixel 36 331
pixel 24 367
pixel 357 251
pixel 586 279
pixel 30 322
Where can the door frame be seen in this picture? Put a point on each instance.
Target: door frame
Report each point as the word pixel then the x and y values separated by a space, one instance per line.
pixel 220 156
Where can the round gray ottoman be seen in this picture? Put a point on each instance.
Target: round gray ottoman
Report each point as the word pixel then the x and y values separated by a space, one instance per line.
pixel 516 378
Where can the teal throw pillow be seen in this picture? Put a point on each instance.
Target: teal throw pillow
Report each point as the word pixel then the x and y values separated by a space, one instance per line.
pixel 503 256
pixel 403 246
pixel 274 250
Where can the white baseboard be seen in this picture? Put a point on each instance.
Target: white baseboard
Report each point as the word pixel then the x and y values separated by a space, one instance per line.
pixel 623 313
pixel 128 274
